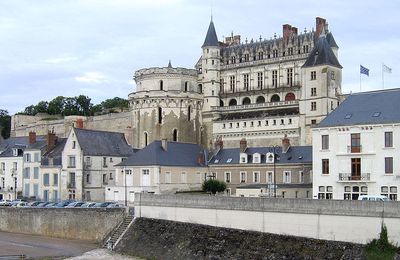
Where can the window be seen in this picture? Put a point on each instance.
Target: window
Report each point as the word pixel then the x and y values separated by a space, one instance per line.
pixel 305 48
pixel 388 165
pixel 313 75
pixel 161 85
pixel 355 143
pixel 287 177
pixel 183 177
pixel 246 57
pixel 313 106
pixel 256 176
pixel 246 81
pixel 313 122
pixel 325 166
pixel 275 53
pixel 186 83
pixel 46 181
pixel 325 192
pixel 189 111
pixel 388 139
pixel 227 177
pixel 111 176
pixel 3 167
pixel 301 177
pixel 242 177
pixel 88 179
pixel 104 178
pixel 232 82
pixel 159 115
pixel 313 92
pixel 36 157
pixel 27 157
pixel 36 190
pixel 27 172
pixel 325 142
pixel 167 177
pixel 260 55
pixel 290 77
pixel 390 192
pixel 36 173
pixel 270 177
pixel 73 144
pixel 332 75
pixel 353 192
pixel 146 138
pixel 71 162
pixel 55 195
pixel 15 166
pixel 274 78
pixel 233 59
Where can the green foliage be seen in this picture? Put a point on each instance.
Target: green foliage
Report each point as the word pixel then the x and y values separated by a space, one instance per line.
pixel 213 186
pixel 381 248
pixel 5 123
pixel 115 103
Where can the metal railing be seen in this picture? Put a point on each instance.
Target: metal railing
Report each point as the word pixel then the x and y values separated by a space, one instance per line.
pixel 354 177
pixel 257 105
pixel 354 149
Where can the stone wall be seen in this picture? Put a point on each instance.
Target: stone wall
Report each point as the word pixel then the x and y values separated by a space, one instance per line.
pixel 74 223
pixel 349 221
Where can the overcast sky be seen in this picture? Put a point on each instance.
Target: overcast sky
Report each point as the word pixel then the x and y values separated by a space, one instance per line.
pixel 50 48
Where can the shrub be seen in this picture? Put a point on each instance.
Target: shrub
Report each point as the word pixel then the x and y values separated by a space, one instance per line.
pixel 381 248
pixel 214 186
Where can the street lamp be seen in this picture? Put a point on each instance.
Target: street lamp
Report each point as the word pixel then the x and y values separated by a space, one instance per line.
pixel 275 158
pixel 124 173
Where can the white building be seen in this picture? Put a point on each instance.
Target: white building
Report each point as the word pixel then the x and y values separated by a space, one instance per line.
pixel 356 149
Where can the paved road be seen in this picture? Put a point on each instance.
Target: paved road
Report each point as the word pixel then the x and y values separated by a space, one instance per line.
pixel 38 246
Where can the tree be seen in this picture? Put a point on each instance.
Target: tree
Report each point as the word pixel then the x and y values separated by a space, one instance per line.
pixel 5 123
pixel 30 111
pixel 213 186
pixel 83 104
pixel 41 107
pixel 115 103
pixel 56 106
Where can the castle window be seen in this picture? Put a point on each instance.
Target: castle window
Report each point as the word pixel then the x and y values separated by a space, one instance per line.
pixel 275 53
pixel 305 48
pixel 200 88
pixel 290 76
pixel 186 86
pixel 146 138
pixel 266 122
pixel 246 57
pixel 313 92
pixel 290 121
pixel 189 110
pixel 290 96
pixel 313 75
pixel 233 59
pixel 260 55
pixel 274 78
pixel 260 99
pixel 212 62
pixel 275 98
pixel 232 102
pixel 221 103
pixel 246 101
pixel 159 115
pixel 290 51
pixel 259 79
pixel 161 85
pixel 232 83
pixel 175 135
pixel 313 106
pixel 246 81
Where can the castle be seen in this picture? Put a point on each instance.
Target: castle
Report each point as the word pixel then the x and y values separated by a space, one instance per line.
pixel 260 90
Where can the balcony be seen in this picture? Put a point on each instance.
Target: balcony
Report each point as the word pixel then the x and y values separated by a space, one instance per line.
pixel 292 103
pixel 348 177
pixel 354 149
pixel 71 185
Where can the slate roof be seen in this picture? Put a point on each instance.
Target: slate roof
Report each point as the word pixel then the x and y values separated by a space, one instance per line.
pixel 374 107
pixel 102 143
pixel 55 153
pixel 331 40
pixel 177 154
pixel 21 142
pixel 295 154
pixel 211 37
pixel 322 54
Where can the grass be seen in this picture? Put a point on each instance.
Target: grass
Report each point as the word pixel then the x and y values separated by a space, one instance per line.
pixel 381 249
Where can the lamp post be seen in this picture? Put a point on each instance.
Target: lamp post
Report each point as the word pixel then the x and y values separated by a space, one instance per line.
pixel 276 157
pixel 124 172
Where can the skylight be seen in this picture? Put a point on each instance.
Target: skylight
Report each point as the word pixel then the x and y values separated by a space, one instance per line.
pixel 376 114
pixel 348 116
pixel 216 161
pixel 229 160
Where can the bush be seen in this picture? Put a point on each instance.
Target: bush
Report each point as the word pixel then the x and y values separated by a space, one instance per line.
pixel 214 186
pixel 381 248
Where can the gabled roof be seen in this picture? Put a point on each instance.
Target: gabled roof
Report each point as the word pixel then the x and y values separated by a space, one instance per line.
pixel 21 142
pixel 331 40
pixel 374 107
pixel 322 54
pixel 211 37
pixel 102 143
pixel 295 154
pixel 55 153
pixel 177 154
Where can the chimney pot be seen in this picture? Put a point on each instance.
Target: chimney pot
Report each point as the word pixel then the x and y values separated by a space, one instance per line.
pixel 243 145
pixel 285 144
pixel 287 31
pixel 319 26
pixel 51 140
pixel 32 137
pixel 79 123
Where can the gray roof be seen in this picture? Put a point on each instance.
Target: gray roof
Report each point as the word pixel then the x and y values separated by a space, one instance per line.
pixel 177 154
pixel 55 153
pixel 322 54
pixel 21 142
pixel 374 107
pixel 295 154
pixel 331 40
pixel 102 143
pixel 211 37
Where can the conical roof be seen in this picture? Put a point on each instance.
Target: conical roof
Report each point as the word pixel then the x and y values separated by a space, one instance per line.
pixel 331 40
pixel 322 54
pixel 211 37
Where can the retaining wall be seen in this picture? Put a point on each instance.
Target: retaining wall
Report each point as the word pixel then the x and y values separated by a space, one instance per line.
pixel 70 223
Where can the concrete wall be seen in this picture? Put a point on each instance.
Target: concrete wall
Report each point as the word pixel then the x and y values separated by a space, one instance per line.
pixel 74 223
pixel 349 221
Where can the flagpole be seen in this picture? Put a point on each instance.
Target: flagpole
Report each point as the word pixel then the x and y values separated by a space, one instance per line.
pixel 383 78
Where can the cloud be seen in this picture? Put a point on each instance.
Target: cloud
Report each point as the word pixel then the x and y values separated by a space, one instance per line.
pixel 61 60
pixel 92 78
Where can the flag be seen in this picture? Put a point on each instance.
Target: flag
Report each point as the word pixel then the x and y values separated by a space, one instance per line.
pixel 364 70
pixel 386 68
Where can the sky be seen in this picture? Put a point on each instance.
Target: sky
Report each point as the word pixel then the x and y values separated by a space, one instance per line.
pixel 52 48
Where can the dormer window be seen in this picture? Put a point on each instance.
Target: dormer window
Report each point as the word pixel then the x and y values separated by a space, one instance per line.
pixel 269 158
pixel 15 152
pixel 243 158
pixel 256 158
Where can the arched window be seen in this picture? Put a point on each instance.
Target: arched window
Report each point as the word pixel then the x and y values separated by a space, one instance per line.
pixel 175 135
pixel 200 90
pixel 145 138
pixel 161 85
pixel 260 99
pixel 275 98
pixel 159 115
pixel 290 96
pixel 232 102
pixel 246 101
pixel 186 86
pixel 221 103
pixel 189 110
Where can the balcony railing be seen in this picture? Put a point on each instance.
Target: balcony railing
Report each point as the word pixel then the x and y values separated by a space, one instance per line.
pixel 257 105
pixel 71 185
pixel 354 177
pixel 354 149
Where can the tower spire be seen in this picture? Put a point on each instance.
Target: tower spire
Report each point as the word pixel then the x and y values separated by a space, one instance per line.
pixel 211 37
pixel 169 64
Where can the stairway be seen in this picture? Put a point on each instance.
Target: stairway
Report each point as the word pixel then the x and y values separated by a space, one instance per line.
pixel 117 234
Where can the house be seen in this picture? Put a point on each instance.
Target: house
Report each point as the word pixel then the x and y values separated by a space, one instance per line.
pixel 278 171
pixel 88 163
pixel 160 167
pixel 356 148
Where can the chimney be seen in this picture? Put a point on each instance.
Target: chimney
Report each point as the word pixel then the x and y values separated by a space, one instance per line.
pixel 319 26
pixel 164 144
pixel 79 123
pixel 243 145
pixel 219 144
pixel 294 30
pixel 51 140
pixel 287 31
pixel 32 137
pixel 200 158
pixel 285 144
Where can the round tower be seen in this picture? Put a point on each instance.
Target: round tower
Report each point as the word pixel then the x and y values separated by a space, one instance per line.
pixel 166 105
